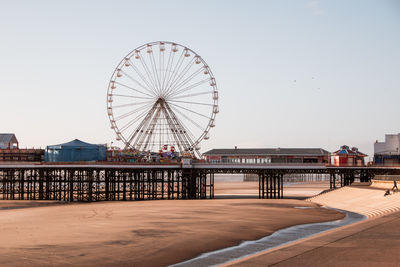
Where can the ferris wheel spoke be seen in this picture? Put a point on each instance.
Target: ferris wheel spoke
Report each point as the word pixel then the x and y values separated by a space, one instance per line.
pixel 187 136
pixel 154 73
pixel 140 126
pixel 190 134
pixel 169 66
pixel 137 82
pixel 174 124
pixel 132 104
pixel 134 89
pixel 160 135
pixel 145 130
pixel 194 103
pixel 195 94
pixel 183 133
pixel 161 64
pixel 185 81
pixel 175 69
pixel 131 112
pixel 164 68
pixel 188 88
pixel 188 66
pixel 189 119
pixel 131 122
pixel 146 69
pixel 140 74
pixel 194 112
pixel 177 72
pixel 169 136
pixel 175 136
pixel 175 65
pixel 152 141
pixel 137 141
pixel 150 130
pixel 154 67
pixel 132 96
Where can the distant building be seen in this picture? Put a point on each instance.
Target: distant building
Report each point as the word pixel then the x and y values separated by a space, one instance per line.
pixel 9 150
pixel 267 155
pixel 22 155
pixel 75 150
pixel 388 152
pixel 8 141
pixel 348 157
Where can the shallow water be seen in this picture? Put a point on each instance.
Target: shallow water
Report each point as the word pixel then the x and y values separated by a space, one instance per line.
pixel 13 208
pixel 276 239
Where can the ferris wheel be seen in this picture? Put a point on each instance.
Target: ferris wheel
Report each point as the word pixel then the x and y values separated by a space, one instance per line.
pixel 161 96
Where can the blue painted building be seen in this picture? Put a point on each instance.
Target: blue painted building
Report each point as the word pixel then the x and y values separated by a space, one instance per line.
pixel 75 150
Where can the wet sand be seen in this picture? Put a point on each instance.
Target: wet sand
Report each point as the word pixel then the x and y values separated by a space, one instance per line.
pixel 374 242
pixel 146 233
pixel 279 238
pixel 24 204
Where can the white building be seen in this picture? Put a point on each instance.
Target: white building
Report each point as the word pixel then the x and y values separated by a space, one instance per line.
pixel 391 146
pixel 388 152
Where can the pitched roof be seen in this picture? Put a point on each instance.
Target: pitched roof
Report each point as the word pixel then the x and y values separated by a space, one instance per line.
pixel 268 152
pixel 73 143
pixel 345 150
pixel 7 138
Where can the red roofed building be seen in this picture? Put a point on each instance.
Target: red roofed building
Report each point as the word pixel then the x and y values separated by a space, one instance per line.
pixel 348 157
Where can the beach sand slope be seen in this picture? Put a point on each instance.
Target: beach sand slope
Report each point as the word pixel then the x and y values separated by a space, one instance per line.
pixel 146 233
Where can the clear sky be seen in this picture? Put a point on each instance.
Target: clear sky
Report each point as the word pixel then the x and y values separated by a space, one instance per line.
pixel 289 73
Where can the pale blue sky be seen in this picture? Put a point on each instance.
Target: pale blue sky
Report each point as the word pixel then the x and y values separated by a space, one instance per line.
pixel 56 58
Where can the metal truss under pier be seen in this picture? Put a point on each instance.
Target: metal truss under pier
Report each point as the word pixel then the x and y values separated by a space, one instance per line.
pixel 145 182
pixel 95 184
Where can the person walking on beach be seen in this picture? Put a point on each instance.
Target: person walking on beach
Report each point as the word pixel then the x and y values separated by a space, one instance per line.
pixel 395 187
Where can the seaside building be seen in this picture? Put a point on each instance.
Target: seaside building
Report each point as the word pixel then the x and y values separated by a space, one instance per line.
pixel 388 152
pixel 10 151
pixel 268 155
pixel 75 150
pixel 348 157
pixel 8 141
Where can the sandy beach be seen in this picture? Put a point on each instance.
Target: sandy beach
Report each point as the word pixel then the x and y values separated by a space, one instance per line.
pixel 234 188
pixel 146 233
pixel 371 242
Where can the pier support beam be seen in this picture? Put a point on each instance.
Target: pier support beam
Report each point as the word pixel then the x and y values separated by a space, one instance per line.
pixel 270 185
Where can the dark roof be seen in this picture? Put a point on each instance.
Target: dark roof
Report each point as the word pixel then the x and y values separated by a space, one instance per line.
pixel 73 143
pixel 7 138
pixel 268 152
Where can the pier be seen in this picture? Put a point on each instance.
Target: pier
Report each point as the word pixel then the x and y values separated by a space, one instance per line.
pixel 97 182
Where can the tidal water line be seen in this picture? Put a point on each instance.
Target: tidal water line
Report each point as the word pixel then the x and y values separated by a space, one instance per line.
pixel 278 238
